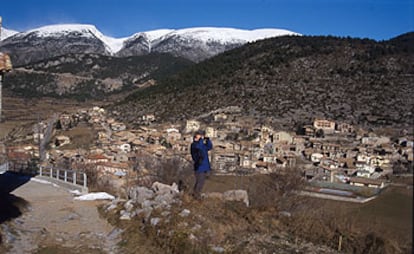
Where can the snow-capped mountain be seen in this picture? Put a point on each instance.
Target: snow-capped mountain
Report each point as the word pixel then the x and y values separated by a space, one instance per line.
pixel 195 44
pixel 50 41
pixel 5 33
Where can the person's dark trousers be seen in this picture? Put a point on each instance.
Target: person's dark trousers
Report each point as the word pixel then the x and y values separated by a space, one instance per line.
pixel 200 178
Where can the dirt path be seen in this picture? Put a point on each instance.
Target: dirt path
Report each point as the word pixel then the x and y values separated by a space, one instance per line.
pixel 55 223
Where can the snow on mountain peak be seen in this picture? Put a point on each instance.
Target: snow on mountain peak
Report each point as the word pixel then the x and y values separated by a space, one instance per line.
pixel 225 35
pixel 156 34
pixel 60 29
pixel 6 33
pixel 113 45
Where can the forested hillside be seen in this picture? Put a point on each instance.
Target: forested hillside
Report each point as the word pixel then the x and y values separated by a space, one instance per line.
pixel 293 79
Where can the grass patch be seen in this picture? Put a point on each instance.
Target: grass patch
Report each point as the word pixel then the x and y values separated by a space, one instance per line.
pixel 80 136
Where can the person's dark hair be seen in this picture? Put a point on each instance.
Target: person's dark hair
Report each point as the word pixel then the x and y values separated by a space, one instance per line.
pixel 199 132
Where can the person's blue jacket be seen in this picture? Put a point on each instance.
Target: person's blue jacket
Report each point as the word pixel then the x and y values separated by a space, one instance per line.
pixel 199 153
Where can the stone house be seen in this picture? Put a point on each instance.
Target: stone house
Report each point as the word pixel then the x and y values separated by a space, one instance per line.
pixel 345 128
pixel 363 173
pixel 325 125
pixel 329 163
pixel 268 158
pixel 367 182
pixel 124 147
pixel 121 157
pixel 245 160
pixel 97 158
pixel 316 157
pixel 299 143
pixel 211 132
pixel 173 135
pixel 224 162
pixel 375 141
pixel 288 160
pixel 220 117
pixel 234 127
pixel 192 126
pixel 309 130
pixel 148 118
pixel 117 126
pixel 283 137
pixel 181 146
pixel 110 168
pixel 363 166
pixel 266 135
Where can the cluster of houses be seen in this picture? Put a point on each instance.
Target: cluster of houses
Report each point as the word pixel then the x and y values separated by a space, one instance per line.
pixel 323 151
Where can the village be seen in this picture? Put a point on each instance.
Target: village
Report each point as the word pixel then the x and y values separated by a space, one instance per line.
pixel 329 154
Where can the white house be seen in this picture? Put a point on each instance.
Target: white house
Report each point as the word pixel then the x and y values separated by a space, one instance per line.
pixel 124 147
pixel 211 132
pixel 316 157
pixel 192 125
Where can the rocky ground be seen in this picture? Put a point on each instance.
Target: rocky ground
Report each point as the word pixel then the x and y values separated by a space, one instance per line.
pixel 56 223
pixel 161 219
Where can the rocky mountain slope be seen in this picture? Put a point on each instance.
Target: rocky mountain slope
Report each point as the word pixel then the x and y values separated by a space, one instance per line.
pixel 84 76
pixel 51 41
pixel 195 44
pixel 292 80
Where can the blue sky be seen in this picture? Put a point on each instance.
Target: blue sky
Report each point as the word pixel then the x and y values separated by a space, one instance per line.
pixel 377 19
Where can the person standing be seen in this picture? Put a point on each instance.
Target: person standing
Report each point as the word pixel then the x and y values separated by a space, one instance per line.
pixel 199 153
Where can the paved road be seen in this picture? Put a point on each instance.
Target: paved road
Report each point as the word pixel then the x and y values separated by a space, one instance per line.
pixel 53 218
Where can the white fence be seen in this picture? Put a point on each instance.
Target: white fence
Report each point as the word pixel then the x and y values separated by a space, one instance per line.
pixel 67 176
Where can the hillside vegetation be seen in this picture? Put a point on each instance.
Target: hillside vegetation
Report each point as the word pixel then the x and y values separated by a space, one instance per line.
pixel 293 79
pixel 84 76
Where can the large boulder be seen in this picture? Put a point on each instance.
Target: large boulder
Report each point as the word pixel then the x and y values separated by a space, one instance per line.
pixel 140 194
pixel 161 189
pixel 129 205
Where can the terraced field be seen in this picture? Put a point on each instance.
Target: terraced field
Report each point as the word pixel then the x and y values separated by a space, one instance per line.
pixel 20 114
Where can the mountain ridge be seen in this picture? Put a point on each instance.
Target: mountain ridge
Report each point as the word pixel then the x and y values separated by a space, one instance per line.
pixel 200 42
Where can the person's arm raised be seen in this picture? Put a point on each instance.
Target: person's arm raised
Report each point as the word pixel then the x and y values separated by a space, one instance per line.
pixel 209 144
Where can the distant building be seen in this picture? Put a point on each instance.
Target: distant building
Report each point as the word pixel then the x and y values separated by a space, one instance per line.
pixel 345 128
pixel 325 125
pixel 116 126
pixel 173 135
pixel 97 158
pixel 192 125
pixel 211 132
pixel 220 117
pixel 148 118
pixel 283 137
pixel 367 182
